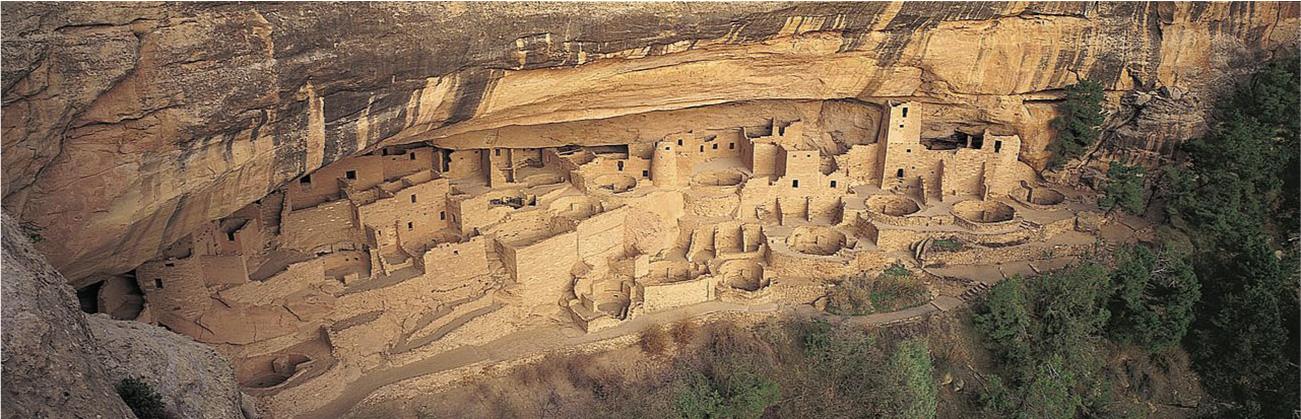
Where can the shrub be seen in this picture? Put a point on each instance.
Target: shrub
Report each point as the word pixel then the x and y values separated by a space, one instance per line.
pixel 947 245
pixel 684 331
pixel 852 297
pixel 141 398
pixel 893 290
pixel 654 341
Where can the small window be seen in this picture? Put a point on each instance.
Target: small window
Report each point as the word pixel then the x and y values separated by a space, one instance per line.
pixel 411 225
pixel 899 173
pixel 702 148
pixel 413 198
pixel 351 174
pixel 645 173
pixel 620 164
pixel 679 143
pixel 908 150
pixel 795 183
pixel 158 283
pixel 998 145
pixel 442 215
pixel 731 146
pixel 230 236
pixel 412 155
pixel 169 265
pixel 667 148
pixel 715 147
pixel 905 111
pixel 833 184
pixel 306 180
pixel 456 252
pixel 900 125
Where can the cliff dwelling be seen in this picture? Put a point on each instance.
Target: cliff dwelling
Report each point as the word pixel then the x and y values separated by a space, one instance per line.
pixel 410 250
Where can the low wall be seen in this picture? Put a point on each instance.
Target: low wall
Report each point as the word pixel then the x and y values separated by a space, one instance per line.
pixel 661 297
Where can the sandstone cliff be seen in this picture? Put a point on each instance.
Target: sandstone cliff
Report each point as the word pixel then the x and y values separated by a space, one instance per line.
pixel 60 363
pixel 51 368
pixel 127 125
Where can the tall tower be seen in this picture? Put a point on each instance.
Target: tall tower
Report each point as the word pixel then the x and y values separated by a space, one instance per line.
pixel 903 137
pixel 664 164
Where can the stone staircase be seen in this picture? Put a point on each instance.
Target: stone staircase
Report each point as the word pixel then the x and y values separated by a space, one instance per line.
pixel 975 292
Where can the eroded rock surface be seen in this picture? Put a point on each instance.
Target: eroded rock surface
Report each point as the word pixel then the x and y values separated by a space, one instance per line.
pixel 128 126
pixel 196 381
pixel 51 369
pixel 61 363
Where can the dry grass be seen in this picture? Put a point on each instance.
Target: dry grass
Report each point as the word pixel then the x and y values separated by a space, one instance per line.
pixel 655 341
pixel 684 332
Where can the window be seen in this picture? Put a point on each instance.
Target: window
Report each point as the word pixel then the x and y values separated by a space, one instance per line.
pixel 702 148
pixel 158 283
pixel 620 164
pixel 411 225
pixel 645 173
pixel 679 143
pixel 169 264
pixel 497 152
pixel 306 180
pixel 998 145
pixel 833 184
pixel 899 173
pixel 731 146
pixel 715 147
pixel 413 198
pixel 412 155
pixel 351 174
pixel 795 183
pixel 908 150
pixel 900 125
pixel 667 148
pixel 905 111
pixel 456 252
pixel 230 236
pixel 442 215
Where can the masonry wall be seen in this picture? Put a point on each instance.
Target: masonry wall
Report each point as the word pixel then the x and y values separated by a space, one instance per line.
pixel 413 215
pixel 174 286
pixel 367 171
pixel 295 278
pixel 319 227
pixel 601 236
pixel 465 164
pixel 661 297
pixel 455 263
pixel 542 269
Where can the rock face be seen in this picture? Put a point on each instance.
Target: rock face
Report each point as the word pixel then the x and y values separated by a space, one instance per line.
pixel 195 381
pixel 126 126
pixel 61 363
pixel 51 368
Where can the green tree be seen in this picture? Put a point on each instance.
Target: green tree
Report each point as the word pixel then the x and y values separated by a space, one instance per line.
pixel 914 383
pixel 1079 117
pixel 1005 322
pixel 1154 298
pixel 1124 189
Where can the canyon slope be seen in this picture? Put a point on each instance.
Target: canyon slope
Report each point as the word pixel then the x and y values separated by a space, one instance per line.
pixel 127 126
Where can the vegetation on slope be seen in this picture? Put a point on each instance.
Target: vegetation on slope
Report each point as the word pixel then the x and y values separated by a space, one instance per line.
pixel 1077 122
pixel 894 289
pixel 1235 210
